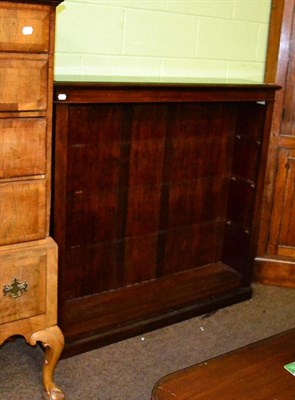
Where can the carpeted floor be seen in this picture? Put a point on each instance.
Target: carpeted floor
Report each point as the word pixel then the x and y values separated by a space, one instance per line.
pixel 129 369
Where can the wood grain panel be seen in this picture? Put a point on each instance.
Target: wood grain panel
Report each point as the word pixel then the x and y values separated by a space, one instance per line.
pixel 241 202
pixel 189 247
pixel 98 267
pixel 24 30
pixel 274 271
pixel 38 257
pixel 287 228
pixel 220 376
pixel 142 216
pixel 92 124
pixel 250 119
pixel 288 123
pixel 199 137
pixel 236 249
pixel 91 218
pixel 29 267
pixel 248 140
pixel 22 211
pixel 101 165
pixel 283 222
pixel 146 161
pixel 22 147
pixel 92 269
pixel 133 303
pixel 23 84
pixel 140 258
pixel 191 197
pixel 246 158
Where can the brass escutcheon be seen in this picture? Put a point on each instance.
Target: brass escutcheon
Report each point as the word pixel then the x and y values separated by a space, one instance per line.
pixel 15 289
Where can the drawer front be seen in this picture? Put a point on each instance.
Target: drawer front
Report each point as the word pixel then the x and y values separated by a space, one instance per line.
pixel 22 211
pixel 22 147
pixel 24 30
pixel 23 284
pixel 23 85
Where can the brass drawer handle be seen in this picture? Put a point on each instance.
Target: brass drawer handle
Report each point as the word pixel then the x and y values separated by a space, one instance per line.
pixel 15 289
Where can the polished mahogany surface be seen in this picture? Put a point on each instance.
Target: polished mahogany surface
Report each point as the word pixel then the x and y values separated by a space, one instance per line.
pixel 253 372
pixel 156 197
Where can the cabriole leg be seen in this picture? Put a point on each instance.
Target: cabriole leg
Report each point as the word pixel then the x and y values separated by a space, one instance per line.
pixel 53 341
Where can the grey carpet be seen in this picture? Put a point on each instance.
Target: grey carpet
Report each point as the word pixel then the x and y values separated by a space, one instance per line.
pixel 129 369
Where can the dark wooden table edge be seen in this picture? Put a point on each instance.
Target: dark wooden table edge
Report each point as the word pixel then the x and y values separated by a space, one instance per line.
pixel 249 345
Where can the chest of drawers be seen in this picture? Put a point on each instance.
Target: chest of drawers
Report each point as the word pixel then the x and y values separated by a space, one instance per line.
pixel 28 256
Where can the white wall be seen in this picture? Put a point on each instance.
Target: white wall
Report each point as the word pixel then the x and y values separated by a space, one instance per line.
pixel 162 40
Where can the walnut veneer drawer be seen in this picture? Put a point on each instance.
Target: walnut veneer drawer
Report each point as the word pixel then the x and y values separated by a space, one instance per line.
pixel 23 284
pixel 22 147
pixel 22 211
pixel 24 30
pixel 23 84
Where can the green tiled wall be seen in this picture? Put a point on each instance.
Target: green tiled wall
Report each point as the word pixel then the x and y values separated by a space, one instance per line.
pixel 162 40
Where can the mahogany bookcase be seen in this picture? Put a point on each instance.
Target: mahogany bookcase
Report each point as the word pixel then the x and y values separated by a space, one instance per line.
pixel 156 202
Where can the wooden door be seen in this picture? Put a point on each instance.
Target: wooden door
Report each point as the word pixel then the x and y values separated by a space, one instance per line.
pixel 275 263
